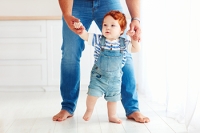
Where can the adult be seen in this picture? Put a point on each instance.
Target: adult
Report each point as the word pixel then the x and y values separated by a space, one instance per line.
pixel 72 47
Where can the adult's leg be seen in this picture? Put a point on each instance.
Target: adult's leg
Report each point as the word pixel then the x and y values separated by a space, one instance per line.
pixel 129 93
pixel 72 48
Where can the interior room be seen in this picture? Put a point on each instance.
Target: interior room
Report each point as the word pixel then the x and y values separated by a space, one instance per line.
pixel 166 70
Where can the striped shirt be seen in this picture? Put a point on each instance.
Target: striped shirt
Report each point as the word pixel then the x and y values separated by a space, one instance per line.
pixel 94 40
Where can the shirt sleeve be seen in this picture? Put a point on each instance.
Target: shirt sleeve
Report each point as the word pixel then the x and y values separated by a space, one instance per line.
pixel 94 39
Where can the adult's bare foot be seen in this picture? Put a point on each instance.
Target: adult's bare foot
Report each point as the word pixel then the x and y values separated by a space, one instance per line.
pixel 61 116
pixel 138 117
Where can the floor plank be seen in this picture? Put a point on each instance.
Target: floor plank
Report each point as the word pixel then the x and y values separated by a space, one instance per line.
pixel 31 112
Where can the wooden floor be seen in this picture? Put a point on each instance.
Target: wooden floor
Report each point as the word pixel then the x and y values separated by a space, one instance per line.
pixel 31 112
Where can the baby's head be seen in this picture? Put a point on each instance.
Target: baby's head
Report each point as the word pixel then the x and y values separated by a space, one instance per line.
pixel 119 16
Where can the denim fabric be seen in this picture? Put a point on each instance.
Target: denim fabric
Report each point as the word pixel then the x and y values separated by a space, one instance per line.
pixel 106 76
pixel 72 47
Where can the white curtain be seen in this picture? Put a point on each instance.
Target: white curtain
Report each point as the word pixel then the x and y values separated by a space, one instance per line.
pixel 169 64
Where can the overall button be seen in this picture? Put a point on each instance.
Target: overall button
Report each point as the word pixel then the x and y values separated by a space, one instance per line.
pixel 98 76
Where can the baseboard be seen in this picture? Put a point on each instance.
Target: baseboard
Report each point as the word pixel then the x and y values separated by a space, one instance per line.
pixel 36 88
pixel 21 88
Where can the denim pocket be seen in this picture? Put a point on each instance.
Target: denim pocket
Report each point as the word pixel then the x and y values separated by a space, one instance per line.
pixel 110 63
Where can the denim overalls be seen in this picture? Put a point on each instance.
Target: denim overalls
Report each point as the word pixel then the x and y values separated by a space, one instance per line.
pixel 106 73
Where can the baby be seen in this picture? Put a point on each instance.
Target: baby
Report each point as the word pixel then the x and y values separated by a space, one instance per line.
pixel 110 56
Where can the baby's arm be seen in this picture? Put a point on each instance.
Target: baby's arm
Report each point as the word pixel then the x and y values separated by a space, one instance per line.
pixel 135 44
pixel 84 35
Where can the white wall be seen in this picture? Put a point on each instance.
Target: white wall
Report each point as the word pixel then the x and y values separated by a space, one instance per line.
pixel 29 8
pixel 48 8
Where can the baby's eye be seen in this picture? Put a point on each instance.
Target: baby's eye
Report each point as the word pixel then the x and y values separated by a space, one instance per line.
pixel 113 25
pixel 104 24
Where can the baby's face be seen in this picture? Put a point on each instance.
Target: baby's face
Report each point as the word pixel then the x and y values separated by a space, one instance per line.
pixel 111 28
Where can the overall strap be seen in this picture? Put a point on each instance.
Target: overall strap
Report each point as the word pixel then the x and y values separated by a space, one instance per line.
pixel 102 42
pixel 122 44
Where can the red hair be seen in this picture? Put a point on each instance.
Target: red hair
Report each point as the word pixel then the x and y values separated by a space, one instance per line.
pixel 117 15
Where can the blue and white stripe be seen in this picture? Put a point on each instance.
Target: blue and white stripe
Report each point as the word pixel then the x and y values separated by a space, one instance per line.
pixel 115 45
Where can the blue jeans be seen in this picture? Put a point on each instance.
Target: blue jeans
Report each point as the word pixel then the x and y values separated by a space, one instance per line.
pixel 72 47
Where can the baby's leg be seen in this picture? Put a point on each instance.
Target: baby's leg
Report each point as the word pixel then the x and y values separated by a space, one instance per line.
pixel 90 103
pixel 112 107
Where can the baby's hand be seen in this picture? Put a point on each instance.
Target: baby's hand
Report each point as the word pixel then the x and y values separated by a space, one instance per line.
pixel 130 33
pixel 77 25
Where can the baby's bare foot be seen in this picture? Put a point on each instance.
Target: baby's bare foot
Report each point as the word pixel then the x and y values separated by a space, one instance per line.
pixel 61 116
pixel 87 115
pixel 115 119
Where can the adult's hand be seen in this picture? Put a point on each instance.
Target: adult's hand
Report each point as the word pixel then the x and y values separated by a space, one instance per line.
pixel 70 22
pixel 135 30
